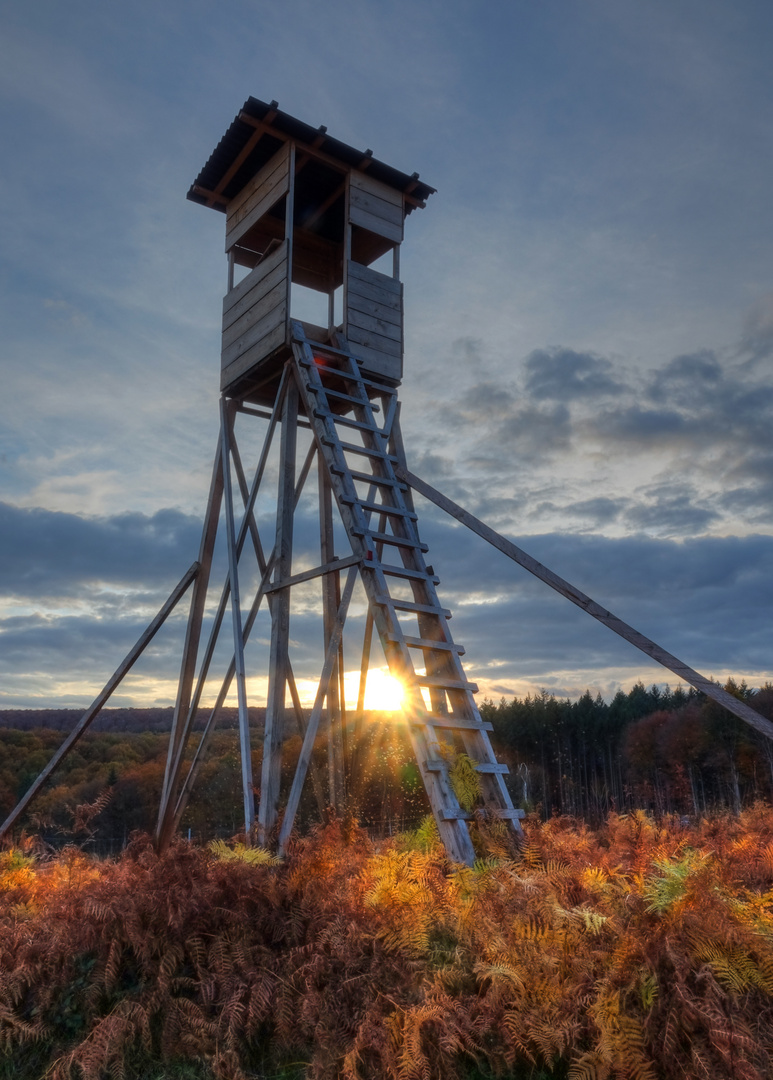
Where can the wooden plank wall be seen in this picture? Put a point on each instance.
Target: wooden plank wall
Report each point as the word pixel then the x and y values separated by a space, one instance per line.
pixel 374 319
pixel 376 207
pixel 257 198
pixel 255 315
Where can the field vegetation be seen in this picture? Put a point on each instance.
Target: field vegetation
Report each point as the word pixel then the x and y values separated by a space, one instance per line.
pixel 642 949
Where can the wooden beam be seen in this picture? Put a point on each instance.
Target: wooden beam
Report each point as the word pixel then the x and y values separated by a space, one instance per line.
pixel 178 734
pixel 236 618
pixel 280 620
pixel 331 656
pixel 97 704
pixel 318 571
pixel 654 651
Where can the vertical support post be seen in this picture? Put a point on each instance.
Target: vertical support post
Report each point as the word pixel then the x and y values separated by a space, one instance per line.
pixel 330 600
pixel 190 653
pixel 280 619
pixel 236 617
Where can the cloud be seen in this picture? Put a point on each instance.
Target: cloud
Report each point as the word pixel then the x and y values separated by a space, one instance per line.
pixel 49 553
pixel 757 338
pixel 565 375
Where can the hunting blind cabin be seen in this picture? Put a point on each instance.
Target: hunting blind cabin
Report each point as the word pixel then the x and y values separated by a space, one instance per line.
pixel 306 212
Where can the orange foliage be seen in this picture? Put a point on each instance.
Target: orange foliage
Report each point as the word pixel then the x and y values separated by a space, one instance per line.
pixel 639 950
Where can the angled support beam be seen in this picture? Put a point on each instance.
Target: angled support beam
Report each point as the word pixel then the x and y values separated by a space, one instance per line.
pixel 331 657
pixel 236 618
pixel 94 709
pixel 654 651
pixel 191 646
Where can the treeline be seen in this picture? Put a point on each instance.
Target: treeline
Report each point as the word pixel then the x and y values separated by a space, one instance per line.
pixel 660 750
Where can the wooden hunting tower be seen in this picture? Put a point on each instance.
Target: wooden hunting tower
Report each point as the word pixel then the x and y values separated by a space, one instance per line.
pixel 305 211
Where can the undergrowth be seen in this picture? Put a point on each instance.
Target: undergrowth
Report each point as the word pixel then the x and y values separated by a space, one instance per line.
pixel 642 950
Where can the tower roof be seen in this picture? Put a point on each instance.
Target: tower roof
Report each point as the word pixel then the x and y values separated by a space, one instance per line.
pixel 259 131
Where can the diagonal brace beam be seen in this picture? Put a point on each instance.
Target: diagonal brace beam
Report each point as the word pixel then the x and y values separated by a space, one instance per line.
pixel 654 651
pixel 96 706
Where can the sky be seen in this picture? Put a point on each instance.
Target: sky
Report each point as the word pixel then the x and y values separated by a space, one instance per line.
pixel 589 320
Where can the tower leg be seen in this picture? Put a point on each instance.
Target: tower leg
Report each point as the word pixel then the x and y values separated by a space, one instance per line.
pixel 180 727
pixel 236 614
pixel 330 602
pixel 280 620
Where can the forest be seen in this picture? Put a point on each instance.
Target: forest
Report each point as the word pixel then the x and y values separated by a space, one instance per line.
pixel 652 749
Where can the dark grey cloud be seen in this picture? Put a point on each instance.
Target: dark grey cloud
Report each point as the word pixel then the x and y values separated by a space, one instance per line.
pixel 671 508
pixel 566 375
pixel 43 552
pixel 686 378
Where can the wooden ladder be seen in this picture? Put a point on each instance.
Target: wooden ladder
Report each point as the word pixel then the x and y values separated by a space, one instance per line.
pixel 377 511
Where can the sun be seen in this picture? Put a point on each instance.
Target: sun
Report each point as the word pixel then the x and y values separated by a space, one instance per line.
pixel 383 692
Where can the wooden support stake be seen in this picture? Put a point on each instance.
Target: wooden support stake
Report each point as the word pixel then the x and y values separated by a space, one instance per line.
pixel 236 614
pixel 655 652
pixel 191 646
pixel 280 621
pixel 97 704
pixel 323 689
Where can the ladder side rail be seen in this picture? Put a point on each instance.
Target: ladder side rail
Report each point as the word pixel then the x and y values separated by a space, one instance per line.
pixel 423 739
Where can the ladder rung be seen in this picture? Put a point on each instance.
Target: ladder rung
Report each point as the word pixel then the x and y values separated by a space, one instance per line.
pixel 452 723
pixel 395 541
pixel 404 572
pixel 366 451
pixel 427 643
pixel 340 396
pixel 326 414
pixel 444 683
pixel 440 765
pixel 370 478
pixel 320 346
pixel 380 508
pixel 506 813
pixel 411 605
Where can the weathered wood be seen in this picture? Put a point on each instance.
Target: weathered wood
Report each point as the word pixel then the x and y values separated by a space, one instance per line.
pixel 257 284
pixel 236 619
pixel 336 784
pixel 270 320
pixel 317 571
pixel 280 621
pixel 363 184
pixel 256 199
pixel 365 325
pixel 363 278
pixel 390 308
pixel 645 644
pixel 331 656
pixel 249 359
pixel 369 343
pixel 99 701
pixel 376 223
pixel 177 734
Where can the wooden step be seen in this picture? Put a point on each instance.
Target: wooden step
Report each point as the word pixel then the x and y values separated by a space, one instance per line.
pixel 339 395
pixel 365 451
pixel 505 813
pixel 405 572
pixel 370 478
pixel 412 605
pixel 394 541
pixel 326 414
pixel 427 643
pixel 451 723
pixel 441 682
pixel 381 508
pixel 441 765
